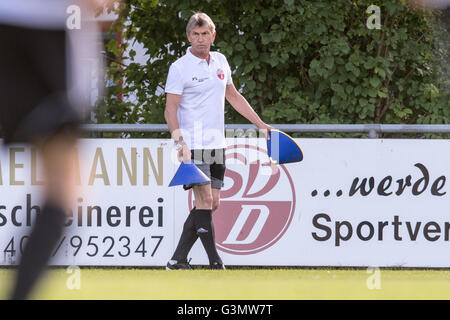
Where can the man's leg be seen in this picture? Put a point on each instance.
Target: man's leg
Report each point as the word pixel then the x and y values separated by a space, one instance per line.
pixel 203 222
pixel 189 234
pixel 199 222
pixel 187 239
pixel 215 206
pixel 216 198
pixel 57 154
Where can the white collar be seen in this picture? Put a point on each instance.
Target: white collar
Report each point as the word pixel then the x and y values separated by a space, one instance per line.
pixel 197 59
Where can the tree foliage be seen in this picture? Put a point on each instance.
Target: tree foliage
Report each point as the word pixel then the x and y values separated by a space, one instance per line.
pixel 295 61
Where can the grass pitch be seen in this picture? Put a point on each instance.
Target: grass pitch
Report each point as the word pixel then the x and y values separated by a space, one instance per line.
pixel 252 284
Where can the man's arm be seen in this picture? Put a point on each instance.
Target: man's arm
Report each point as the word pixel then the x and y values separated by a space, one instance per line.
pixel 240 104
pixel 171 116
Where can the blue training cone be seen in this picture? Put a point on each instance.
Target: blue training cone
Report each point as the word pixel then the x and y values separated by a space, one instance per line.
pixel 188 173
pixel 282 148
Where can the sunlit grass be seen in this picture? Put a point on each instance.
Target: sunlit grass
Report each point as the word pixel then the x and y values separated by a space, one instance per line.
pixel 259 284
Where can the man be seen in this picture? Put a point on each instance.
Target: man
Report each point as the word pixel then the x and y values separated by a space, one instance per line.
pixel 40 89
pixel 196 88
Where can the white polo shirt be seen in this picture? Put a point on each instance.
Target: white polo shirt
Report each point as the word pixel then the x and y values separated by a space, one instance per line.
pixel 201 113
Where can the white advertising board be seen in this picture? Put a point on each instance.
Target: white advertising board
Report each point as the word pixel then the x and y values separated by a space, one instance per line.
pixel 350 202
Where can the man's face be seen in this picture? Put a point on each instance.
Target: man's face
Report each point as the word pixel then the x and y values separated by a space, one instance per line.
pixel 201 39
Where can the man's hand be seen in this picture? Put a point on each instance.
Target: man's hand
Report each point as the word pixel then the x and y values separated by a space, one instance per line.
pixel 184 154
pixel 264 127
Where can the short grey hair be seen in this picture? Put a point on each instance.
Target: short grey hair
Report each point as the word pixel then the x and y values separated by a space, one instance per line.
pixel 199 19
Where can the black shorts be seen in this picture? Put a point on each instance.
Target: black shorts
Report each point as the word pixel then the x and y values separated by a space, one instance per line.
pixel 212 163
pixel 33 84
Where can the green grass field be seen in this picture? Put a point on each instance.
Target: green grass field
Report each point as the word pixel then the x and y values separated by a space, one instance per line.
pixel 253 284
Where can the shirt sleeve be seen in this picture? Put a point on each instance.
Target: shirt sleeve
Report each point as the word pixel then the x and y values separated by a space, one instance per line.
pixel 228 71
pixel 174 83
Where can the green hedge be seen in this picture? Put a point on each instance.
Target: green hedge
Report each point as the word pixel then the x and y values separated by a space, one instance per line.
pixel 296 61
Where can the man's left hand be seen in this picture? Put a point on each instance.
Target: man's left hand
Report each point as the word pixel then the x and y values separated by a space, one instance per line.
pixel 266 128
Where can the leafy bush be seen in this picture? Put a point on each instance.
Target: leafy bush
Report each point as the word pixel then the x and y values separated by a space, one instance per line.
pixel 295 61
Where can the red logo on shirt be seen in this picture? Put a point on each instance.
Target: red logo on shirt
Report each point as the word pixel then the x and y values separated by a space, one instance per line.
pixel 220 74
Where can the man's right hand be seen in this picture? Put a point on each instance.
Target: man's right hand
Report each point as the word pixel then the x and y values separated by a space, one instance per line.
pixel 184 154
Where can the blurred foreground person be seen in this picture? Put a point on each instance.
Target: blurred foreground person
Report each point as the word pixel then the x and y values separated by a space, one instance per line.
pixel 41 104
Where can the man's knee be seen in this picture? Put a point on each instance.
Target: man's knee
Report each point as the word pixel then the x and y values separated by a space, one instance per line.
pixel 204 201
pixel 207 200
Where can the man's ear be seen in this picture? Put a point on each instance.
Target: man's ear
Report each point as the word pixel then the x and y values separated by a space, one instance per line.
pixel 213 36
